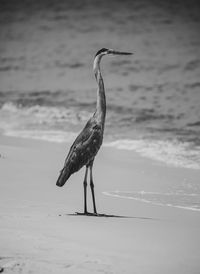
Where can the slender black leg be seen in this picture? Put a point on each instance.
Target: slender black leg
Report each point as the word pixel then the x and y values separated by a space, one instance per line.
pixel 92 189
pixel 85 191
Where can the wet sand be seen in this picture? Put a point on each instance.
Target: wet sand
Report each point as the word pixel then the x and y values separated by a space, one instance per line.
pixel 40 234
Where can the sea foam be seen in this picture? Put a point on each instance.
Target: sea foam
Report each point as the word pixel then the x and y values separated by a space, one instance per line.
pixel 45 135
pixel 170 152
pixel 187 201
pixel 59 124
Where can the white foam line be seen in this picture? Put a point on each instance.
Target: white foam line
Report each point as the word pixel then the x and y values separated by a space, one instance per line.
pixel 147 201
pixel 170 152
pixel 50 136
pixel 157 193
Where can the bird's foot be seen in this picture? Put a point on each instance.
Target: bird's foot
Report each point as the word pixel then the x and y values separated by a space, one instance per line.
pixel 96 214
pixel 88 214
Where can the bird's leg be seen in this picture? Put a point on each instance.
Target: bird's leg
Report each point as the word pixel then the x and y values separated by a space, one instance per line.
pixel 92 189
pixel 85 190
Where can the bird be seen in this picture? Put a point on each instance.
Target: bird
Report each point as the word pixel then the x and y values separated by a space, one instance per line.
pixel 85 147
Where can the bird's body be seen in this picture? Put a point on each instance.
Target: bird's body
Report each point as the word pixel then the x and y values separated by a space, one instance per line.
pixel 83 150
pixel 86 145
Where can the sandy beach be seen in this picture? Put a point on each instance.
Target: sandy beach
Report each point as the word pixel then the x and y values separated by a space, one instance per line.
pixel 39 233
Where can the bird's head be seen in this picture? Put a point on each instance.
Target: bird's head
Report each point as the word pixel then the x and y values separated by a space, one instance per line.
pixel 105 51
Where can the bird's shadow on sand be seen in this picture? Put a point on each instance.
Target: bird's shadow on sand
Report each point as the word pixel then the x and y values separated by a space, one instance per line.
pixel 108 216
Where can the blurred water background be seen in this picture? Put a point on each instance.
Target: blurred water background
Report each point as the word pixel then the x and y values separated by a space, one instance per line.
pixel 47 87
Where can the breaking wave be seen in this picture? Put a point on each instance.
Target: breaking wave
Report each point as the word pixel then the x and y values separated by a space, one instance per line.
pixel 170 152
pixel 61 124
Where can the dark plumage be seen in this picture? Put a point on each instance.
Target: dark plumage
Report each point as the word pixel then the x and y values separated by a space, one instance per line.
pixel 89 141
pixel 83 150
pixel 101 51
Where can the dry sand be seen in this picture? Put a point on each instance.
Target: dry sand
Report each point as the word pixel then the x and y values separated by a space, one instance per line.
pixel 38 234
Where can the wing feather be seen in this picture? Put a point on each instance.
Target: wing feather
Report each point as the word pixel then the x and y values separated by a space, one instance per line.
pixel 83 150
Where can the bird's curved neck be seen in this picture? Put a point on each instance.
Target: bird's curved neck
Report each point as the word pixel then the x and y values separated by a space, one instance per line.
pixel 101 99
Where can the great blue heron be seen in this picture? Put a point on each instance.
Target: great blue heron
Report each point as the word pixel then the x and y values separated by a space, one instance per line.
pixel 88 142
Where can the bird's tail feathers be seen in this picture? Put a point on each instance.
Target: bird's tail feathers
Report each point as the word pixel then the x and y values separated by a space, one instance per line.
pixel 63 177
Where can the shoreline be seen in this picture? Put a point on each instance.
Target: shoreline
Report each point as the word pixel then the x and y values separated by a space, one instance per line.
pixel 39 232
pixel 169 152
pixel 123 156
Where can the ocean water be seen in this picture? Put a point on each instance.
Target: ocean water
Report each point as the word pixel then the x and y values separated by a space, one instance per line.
pixel 47 87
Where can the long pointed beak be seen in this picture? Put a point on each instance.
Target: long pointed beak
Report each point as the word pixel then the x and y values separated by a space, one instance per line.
pixel 119 52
